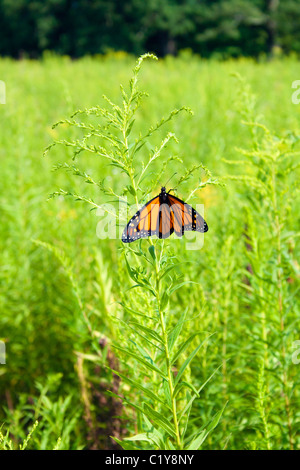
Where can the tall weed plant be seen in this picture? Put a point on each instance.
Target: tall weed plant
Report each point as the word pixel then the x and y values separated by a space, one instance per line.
pixel 270 189
pixel 155 356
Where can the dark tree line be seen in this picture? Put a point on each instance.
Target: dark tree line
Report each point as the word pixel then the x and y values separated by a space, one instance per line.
pixel 78 27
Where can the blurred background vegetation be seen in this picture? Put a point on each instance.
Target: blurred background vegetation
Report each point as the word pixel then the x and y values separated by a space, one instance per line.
pixel 51 375
pixel 222 28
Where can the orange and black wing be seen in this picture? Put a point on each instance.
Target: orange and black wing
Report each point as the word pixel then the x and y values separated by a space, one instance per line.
pixel 186 218
pixel 162 220
pixel 165 221
pixel 144 223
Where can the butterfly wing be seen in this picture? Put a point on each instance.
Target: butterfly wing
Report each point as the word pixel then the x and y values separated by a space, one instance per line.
pixel 144 223
pixel 162 220
pixel 165 221
pixel 186 218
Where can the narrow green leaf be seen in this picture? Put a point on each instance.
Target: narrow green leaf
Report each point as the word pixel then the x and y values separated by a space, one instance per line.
pixel 167 393
pixel 147 330
pixel 146 364
pixel 189 404
pixel 182 284
pixel 215 420
pixel 138 386
pixel 159 419
pixel 175 332
pixel 148 437
pixel 129 129
pixel 135 312
pixel 196 443
pixel 184 384
pixel 151 250
pixel 186 363
pixel 184 346
pixel 164 300
pixel 125 445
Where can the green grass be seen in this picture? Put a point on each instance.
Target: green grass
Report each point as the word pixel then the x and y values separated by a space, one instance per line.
pixel 67 310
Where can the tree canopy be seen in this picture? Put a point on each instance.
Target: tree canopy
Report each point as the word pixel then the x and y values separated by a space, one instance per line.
pixel 220 27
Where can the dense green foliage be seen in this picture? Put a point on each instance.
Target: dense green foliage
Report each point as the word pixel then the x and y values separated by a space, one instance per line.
pixel 220 27
pixel 222 320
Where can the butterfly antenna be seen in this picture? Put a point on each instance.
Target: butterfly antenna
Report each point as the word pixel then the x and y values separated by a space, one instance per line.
pixel 170 179
pixel 172 189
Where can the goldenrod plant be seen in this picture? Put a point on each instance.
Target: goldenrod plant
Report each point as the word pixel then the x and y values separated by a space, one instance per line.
pixel 101 337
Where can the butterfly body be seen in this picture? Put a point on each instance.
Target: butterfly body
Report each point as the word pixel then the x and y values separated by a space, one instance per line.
pixel 162 216
pixel 163 196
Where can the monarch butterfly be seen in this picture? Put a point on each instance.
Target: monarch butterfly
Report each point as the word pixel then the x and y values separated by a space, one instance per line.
pixel 161 216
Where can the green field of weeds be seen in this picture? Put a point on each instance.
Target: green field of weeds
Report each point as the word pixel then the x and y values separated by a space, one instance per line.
pixel 182 343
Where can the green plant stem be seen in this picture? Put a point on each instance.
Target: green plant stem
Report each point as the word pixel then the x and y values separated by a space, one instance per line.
pixel 161 315
pixel 265 365
pixel 130 169
pixel 224 345
pixel 261 402
pixel 280 305
pixel 167 353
